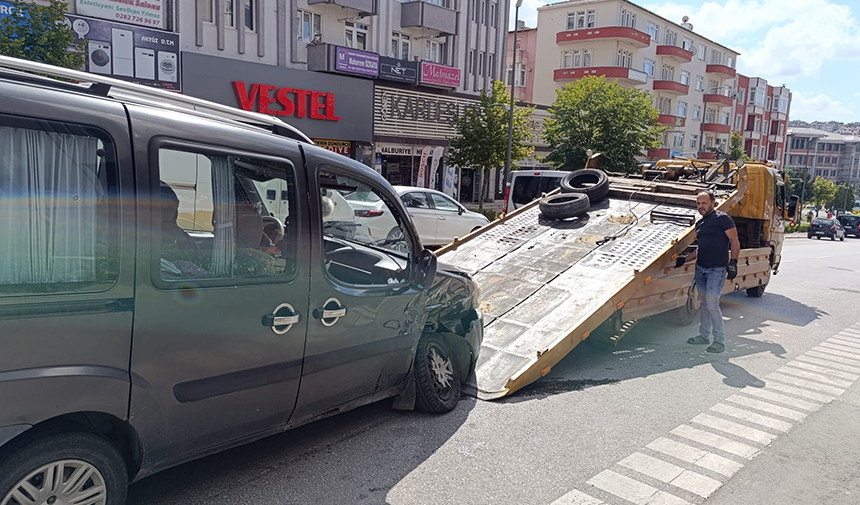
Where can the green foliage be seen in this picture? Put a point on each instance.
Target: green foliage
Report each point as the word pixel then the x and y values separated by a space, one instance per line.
pixel 823 192
pixel 844 198
pixel 482 133
pixel 490 214
pixel 39 33
pixel 800 228
pixel 736 147
pixel 603 116
pixel 795 184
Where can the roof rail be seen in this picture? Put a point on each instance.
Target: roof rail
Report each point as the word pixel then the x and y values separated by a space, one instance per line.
pixel 103 86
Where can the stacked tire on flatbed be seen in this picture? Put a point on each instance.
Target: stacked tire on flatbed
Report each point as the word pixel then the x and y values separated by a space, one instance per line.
pixel 579 190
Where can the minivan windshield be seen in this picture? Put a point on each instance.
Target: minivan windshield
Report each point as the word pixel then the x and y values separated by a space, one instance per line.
pixel 528 188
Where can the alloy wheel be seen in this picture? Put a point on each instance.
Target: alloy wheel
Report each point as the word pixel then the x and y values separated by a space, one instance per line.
pixel 66 482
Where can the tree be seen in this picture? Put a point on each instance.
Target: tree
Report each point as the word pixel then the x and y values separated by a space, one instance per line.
pixel 603 116
pixel 823 191
pixel 844 198
pixel 481 141
pixel 799 183
pixel 736 147
pixel 40 33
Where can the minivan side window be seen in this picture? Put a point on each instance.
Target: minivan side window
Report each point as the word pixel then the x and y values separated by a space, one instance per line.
pixel 365 243
pixel 215 222
pixel 58 208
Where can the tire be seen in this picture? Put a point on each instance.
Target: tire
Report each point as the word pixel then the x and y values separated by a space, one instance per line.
pixel 27 459
pixel 818 237
pixel 437 382
pixel 842 238
pixel 809 237
pixel 588 181
pixel 565 205
pixel 757 291
pixel 684 316
pixel 833 238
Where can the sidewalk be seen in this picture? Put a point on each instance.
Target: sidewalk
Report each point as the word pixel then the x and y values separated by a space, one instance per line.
pixel 817 462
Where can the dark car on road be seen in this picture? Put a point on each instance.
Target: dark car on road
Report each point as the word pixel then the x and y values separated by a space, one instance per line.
pixel 823 227
pixel 851 223
pixel 177 282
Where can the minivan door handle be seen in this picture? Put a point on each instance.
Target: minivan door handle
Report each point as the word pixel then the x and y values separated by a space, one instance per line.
pixel 330 312
pixel 282 318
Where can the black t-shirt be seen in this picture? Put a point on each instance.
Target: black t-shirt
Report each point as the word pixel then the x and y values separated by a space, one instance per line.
pixel 713 242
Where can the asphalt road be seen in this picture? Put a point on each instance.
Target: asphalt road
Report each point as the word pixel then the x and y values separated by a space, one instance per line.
pixel 654 420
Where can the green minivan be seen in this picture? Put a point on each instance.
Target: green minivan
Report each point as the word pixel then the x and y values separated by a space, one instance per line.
pixel 175 282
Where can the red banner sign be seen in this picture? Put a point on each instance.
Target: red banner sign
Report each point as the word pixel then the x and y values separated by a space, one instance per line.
pixel 286 101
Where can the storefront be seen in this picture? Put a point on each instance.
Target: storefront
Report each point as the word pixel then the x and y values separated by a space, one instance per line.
pixel 336 111
pixel 412 132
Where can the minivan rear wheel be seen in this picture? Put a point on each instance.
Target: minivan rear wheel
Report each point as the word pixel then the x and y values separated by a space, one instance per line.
pixel 61 469
pixel 436 378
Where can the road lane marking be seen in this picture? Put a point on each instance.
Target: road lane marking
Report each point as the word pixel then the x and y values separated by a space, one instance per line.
pixel 733 428
pixel 808 384
pixel 832 355
pixel 817 377
pixel 716 441
pixel 787 400
pixel 746 415
pixel 767 407
pixel 632 490
pixel 803 393
pixel 695 456
pixel 830 370
pixel 830 363
pixel 574 497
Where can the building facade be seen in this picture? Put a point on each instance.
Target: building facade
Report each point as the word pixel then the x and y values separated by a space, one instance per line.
pixel 819 153
pixel 523 76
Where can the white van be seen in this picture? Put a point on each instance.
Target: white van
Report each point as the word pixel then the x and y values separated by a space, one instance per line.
pixel 528 185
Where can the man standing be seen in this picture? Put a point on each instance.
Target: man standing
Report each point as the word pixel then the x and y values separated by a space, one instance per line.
pixel 715 233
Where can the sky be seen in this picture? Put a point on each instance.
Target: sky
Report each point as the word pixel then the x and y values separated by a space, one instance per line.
pixel 811 46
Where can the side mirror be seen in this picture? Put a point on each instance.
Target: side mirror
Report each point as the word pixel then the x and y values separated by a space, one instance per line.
pixel 425 269
pixel 460 210
pixel 791 211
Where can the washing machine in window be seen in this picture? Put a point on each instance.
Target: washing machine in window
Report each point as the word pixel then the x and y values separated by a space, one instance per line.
pixel 167 66
pixel 99 58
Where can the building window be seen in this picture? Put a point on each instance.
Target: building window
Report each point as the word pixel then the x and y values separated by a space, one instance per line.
pixel 591 19
pixel 473 9
pixel 685 78
pixel 491 71
pixel 310 26
pixel 757 125
pixel 483 12
pixel 754 152
pixel 769 103
pixel 356 35
pixel 665 105
pixel 726 118
pixel 671 38
pixel 710 116
pixel 716 57
pixel 229 13
pixel 668 73
pixel 697 112
pixel 566 59
pixel 741 94
pixel 649 66
pixel 472 64
pixel 400 45
pixel 730 61
pixel 586 57
pixel 679 140
pixel 738 119
pixel 628 19
pixel 577 59
pixel 521 75
pixel 624 59
pixel 208 11
pixel 481 57
pixel 688 45
pixel 700 83
pixel 682 109
pixel 703 51
pixel 435 51
pixel 571 21
pixel 653 31
pixel 694 141
pixel 493 9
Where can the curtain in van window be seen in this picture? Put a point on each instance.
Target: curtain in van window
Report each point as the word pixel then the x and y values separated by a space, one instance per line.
pixel 224 215
pixel 49 200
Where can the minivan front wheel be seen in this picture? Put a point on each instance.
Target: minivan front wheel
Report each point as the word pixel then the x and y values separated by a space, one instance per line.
pixel 65 468
pixel 436 378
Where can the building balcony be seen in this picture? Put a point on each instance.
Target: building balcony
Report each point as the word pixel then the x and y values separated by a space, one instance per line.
pixel 716 128
pixel 620 33
pixel 778 116
pixel 719 100
pixel 669 119
pixel 756 110
pixel 707 155
pixel 724 70
pixel 752 134
pixel 779 139
pixel 370 7
pixel 659 153
pixel 624 75
pixel 675 53
pixel 421 14
pixel 675 88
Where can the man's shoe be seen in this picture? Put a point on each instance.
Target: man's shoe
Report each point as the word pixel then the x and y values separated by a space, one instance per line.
pixel 716 348
pixel 699 340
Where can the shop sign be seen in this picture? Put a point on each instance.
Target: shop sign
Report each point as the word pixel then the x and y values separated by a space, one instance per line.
pixel 136 12
pixel 396 149
pixel 440 75
pixel 354 61
pixel 416 114
pixel 130 53
pixel 287 101
pixel 392 69
pixel 335 146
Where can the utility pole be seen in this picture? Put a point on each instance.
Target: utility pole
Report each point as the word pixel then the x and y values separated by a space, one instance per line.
pixel 513 92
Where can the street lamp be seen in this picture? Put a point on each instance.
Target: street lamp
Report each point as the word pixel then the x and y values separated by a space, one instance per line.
pixel 513 91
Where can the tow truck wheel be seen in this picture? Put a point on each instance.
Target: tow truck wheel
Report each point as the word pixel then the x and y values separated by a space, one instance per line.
pixel 756 292
pixel 687 314
pixel 436 379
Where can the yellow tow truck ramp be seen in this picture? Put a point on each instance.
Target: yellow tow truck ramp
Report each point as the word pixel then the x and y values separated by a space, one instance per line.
pixel 548 284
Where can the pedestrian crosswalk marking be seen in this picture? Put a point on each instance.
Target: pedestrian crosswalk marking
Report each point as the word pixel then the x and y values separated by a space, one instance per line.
pixel 746 415
pixel 575 497
pixel 829 370
pixel 632 490
pixel 832 358
pixel 830 363
pixel 767 407
pixel 733 428
pixel 780 398
pixel 716 441
pixel 815 377
pixel 808 384
pixel 849 352
pixel 846 341
pixel 693 455
pixel 803 393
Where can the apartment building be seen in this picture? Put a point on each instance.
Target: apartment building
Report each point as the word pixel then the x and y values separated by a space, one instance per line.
pixel 762 115
pixel 523 76
pixel 830 155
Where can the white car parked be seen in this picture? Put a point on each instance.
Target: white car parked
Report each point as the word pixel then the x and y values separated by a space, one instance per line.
pixel 438 217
